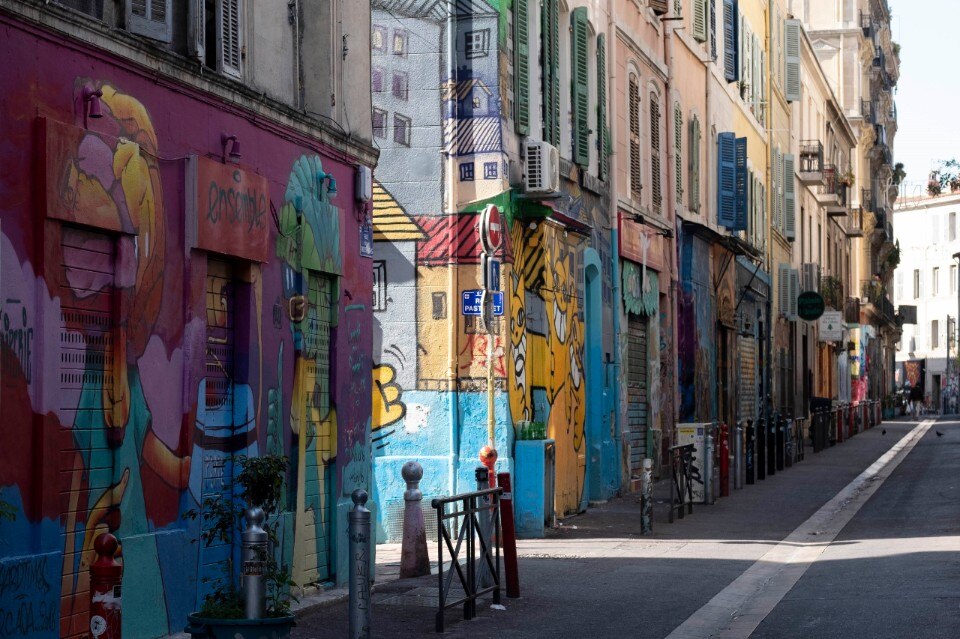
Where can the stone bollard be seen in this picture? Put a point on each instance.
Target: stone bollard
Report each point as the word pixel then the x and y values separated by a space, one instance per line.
pixel 414 560
pixel 360 567
pixel 646 498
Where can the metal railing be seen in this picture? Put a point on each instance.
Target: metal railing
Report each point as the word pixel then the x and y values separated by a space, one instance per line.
pixel 876 294
pixel 681 480
pixel 831 287
pixel 867 111
pixel 866 23
pixel 811 156
pixel 473 536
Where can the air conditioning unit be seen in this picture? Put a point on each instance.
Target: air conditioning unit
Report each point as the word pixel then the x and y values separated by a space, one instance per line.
pixel 811 277
pixel 541 168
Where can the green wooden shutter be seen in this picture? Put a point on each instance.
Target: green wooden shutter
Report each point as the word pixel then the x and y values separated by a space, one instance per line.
pixel 581 87
pixel 792 88
pixel 655 172
pixel 678 151
pixel 635 172
pixel 790 198
pixel 694 164
pixel 550 44
pixel 521 65
pixel 700 20
pixel 602 131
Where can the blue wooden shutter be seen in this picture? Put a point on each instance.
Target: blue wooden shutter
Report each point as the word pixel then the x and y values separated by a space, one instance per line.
pixel 741 185
pixel 580 98
pixel 731 70
pixel 521 65
pixel 726 179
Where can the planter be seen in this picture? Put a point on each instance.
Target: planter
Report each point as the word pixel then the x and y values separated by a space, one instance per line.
pixel 267 628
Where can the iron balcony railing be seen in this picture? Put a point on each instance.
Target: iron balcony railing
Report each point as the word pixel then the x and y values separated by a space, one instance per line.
pixel 875 294
pixel 866 199
pixel 811 156
pixel 832 290
pixel 867 111
pixel 834 184
pixel 855 223
pixel 866 23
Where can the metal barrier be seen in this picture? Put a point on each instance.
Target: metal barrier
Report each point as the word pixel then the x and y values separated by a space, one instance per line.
pixel 681 479
pixel 470 507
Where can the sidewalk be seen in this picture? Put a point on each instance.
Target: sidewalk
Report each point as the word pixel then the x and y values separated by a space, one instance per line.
pixel 576 581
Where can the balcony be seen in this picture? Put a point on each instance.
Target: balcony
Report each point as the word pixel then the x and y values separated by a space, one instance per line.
pixel 855 223
pixel 811 162
pixel 833 192
pixel 866 200
pixel 832 290
pixel 875 294
pixel 867 112
pixel 866 23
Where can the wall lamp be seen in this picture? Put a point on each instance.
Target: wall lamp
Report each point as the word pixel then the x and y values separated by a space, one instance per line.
pixel 667 233
pixel 234 147
pixel 331 184
pixel 91 104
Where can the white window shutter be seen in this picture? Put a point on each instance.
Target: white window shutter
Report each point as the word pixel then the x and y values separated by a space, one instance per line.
pixel 230 19
pixel 792 89
pixel 700 20
pixel 789 198
pixel 150 18
pixel 197 33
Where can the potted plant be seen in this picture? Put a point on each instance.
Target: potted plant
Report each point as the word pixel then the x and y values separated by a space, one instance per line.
pixel 222 614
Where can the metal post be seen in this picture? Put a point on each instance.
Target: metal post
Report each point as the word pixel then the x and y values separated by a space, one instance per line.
pixel 646 498
pixel 708 466
pixel 738 456
pixel 750 463
pixel 360 569
pixel 486 528
pixel 254 558
pixel 414 560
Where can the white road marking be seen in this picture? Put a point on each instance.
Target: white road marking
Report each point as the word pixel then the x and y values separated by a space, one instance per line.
pixel 737 610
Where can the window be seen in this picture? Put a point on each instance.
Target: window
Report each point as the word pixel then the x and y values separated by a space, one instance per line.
pixel 916 284
pixel 379 286
pixel 952 229
pixel 401 85
pixel 378 39
pixel 376 80
pixel 694 162
pixel 218 40
pixel 580 86
pixel 936 281
pixel 490 170
pixel 655 151
pixel 953 278
pixel 550 54
pixel 93 8
pixel 439 305
pixel 731 65
pixel 150 18
pixel 477 43
pixel 399 42
pixel 678 151
pixel 466 172
pixel 401 129
pixel 934 334
pixel 634 108
pixel 379 123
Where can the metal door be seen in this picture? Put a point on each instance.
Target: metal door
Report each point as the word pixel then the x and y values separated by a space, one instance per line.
pixel 637 400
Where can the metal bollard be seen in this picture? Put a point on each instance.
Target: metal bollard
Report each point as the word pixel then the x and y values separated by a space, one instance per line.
pixel 509 537
pixel 414 560
pixel 708 483
pixel 360 570
pixel 780 442
pixel 646 498
pixel 724 460
pixel 253 556
pixel 738 456
pixel 760 460
pixel 751 453
pixel 788 443
pixel 772 444
pixel 486 526
pixel 105 576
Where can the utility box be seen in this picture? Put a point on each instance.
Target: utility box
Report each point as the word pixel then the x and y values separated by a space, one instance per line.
pixel 534 486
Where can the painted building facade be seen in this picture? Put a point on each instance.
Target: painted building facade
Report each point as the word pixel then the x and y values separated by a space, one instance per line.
pixel 185 261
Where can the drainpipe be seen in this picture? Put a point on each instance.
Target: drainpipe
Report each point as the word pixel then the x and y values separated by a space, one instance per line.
pixel 614 242
pixel 674 242
pixel 452 270
pixel 767 399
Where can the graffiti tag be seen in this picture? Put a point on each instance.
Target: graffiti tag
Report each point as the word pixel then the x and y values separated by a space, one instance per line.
pixel 17 336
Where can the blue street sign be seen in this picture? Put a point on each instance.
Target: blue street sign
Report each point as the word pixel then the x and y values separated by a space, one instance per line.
pixel 498 303
pixel 472 302
pixel 493 274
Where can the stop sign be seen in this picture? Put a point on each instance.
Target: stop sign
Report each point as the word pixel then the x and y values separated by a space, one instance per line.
pixel 491 228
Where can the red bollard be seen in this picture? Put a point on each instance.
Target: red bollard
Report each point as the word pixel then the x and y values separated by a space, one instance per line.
pixel 105 576
pixel 510 567
pixel 724 461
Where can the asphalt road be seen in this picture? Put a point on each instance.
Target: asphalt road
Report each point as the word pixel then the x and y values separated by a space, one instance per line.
pixel 890 571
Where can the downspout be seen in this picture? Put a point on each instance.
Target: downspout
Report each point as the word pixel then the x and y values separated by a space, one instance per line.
pixel 674 273
pixel 614 242
pixel 452 268
pixel 766 388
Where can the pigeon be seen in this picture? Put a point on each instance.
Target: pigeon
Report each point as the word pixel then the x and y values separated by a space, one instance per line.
pixel 883 432
pixel 939 434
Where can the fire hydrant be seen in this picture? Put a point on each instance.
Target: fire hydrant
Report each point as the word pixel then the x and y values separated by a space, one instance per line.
pixel 105 576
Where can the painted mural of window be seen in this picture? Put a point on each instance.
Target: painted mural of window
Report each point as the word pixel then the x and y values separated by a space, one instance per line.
pixel 466 172
pixel 401 129
pixel 399 42
pixel 477 43
pixel 379 123
pixel 401 85
pixel 376 80
pixel 439 300
pixel 379 286
pixel 490 170
pixel 378 39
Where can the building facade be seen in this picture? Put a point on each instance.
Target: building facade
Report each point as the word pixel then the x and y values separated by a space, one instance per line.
pixel 183 249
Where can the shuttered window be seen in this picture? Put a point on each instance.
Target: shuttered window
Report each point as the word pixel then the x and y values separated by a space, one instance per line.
pixel 655 187
pixel 730 41
pixel 783 289
pixel 789 198
pixel 150 18
pixel 726 179
pixel 700 20
pixel 229 14
pixel 580 98
pixel 634 105
pixel 603 133
pixel 678 151
pixel 521 65
pixel 550 51
pixel 678 7
pixel 694 164
pixel 713 29
pixel 740 194
pixel 792 69
pixel 794 294
pixel 197 31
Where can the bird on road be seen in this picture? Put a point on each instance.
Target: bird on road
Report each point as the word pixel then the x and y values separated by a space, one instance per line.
pixel 939 434
pixel 883 432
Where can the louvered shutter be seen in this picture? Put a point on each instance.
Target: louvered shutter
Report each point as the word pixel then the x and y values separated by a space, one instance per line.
pixel 794 293
pixel 197 33
pixel 229 14
pixel 602 131
pixel 150 18
pixel 678 151
pixel 635 172
pixel 713 29
pixel 730 41
pixel 777 192
pixel 694 164
pixel 783 289
pixel 744 42
pixel 581 87
pixel 655 169
pixel 789 198
pixel 756 87
pixel 677 7
pixel 550 42
pixel 792 90
pixel 740 195
pixel 700 20
pixel 521 65
pixel 726 179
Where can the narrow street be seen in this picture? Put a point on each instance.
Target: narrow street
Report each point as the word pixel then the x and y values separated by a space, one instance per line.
pixel 860 540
